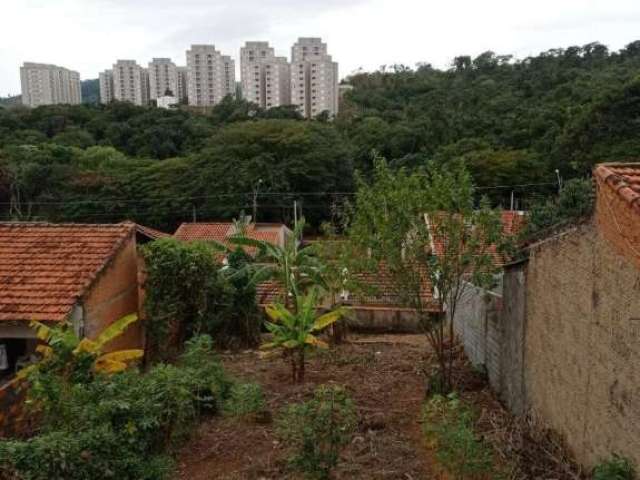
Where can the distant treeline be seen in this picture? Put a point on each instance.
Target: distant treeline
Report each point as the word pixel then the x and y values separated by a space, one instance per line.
pixel 512 122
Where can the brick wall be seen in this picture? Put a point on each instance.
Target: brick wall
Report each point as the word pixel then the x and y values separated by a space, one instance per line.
pixel 15 420
pixel 578 329
pixel 114 295
pixel 618 219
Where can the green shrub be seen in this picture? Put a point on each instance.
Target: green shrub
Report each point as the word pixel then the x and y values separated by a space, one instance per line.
pixel 120 426
pixel 244 398
pixel 615 468
pixel 449 425
pixel 316 430
pixel 98 453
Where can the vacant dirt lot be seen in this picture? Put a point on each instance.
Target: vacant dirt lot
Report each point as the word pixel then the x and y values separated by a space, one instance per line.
pixel 381 374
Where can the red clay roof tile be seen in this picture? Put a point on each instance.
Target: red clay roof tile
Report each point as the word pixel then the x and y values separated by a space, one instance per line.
pixel 45 268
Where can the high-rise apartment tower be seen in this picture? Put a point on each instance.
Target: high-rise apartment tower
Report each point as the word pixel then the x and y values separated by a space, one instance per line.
pixel 265 77
pixel 130 82
pixel 44 84
pixel 210 76
pixel 314 78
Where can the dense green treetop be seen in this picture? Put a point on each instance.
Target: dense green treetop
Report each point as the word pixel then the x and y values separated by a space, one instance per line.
pixel 512 122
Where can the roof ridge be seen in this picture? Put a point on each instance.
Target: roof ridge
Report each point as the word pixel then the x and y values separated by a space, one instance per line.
pixel 62 225
pixel 618 182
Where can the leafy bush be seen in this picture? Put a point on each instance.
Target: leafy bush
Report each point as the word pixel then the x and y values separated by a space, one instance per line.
pixel 615 468
pixel 448 424
pixel 574 202
pixel 244 398
pixel 98 453
pixel 181 279
pixel 316 430
pixel 119 426
pixel 189 293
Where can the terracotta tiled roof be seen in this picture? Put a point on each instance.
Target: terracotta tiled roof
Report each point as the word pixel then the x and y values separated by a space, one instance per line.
pixel 221 232
pixel 203 231
pixel 380 292
pixel 385 295
pixel 151 233
pixel 45 268
pixel 624 179
pixel 513 221
pixel 618 207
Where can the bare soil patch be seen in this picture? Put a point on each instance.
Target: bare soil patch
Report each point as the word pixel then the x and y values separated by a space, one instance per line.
pixel 381 374
pixel 384 376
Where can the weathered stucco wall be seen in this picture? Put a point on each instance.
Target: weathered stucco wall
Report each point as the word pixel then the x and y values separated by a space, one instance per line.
pixel 512 359
pixel 381 319
pixel 478 325
pixel 582 344
pixel 114 295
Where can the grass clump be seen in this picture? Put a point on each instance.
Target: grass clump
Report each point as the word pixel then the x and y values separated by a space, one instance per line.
pixel 615 468
pixel 244 399
pixel 448 425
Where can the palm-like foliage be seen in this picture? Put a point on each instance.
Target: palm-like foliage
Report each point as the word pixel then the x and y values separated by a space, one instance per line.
pixel 294 331
pixel 295 269
pixel 63 349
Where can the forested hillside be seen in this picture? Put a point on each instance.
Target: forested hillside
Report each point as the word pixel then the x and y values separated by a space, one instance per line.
pixel 513 122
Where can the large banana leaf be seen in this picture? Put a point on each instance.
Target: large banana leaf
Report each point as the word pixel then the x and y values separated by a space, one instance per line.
pixel 278 313
pixel 327 319
pixel 109 366
pixel 86 345
pixel 122 355
pixel 116 329
pixel 311 340
pixel 42 331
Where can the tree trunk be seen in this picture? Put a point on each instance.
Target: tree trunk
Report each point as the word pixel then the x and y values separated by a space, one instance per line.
pixel 301 366
pixel 294 370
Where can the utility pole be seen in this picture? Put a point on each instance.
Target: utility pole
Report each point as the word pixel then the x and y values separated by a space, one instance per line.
pixel 295 214
pixel 256 187
pixel 512 200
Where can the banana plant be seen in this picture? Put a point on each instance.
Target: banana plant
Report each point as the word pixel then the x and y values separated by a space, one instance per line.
pixel 295 331
pixel 296 269
pixel 61 343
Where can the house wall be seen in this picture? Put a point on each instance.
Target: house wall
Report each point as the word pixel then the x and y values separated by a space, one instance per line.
pixel 383 320
pixel 574 319
pixel 114 295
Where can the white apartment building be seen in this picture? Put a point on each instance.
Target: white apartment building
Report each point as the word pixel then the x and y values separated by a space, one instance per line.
pixel 167 102
pixel 265 78
pixel 163 77
pixel 106 86
pixel 210 76
pixel 130 82
pixel 181 74
pixel 314 78
pixel 44 84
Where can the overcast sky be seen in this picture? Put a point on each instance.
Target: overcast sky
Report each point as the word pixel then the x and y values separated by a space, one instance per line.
pixel 89 35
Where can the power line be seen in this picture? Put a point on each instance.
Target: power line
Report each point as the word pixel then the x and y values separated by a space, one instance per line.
pixel 240 194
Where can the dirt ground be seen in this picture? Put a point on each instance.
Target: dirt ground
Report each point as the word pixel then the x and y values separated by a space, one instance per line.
pixel 383 375
pixel 380 373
